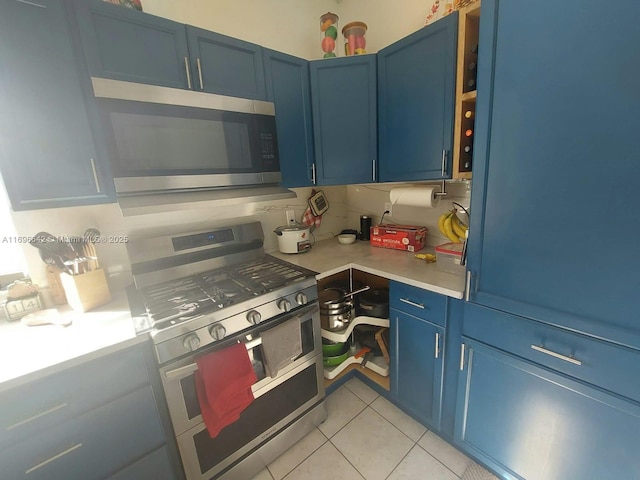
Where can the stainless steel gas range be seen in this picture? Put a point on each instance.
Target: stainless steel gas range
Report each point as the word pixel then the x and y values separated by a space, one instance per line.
pixel 198 292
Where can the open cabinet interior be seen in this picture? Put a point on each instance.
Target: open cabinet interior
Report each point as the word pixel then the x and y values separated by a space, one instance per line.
pixel 365 335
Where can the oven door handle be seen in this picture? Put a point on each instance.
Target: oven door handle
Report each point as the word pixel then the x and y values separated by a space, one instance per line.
pixel 192 367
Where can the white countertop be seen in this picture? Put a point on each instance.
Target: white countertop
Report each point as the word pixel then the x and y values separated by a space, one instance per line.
pixel 328 257
pixel 28 353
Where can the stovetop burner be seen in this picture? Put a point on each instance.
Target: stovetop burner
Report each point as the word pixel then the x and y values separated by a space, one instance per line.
pixel 180 300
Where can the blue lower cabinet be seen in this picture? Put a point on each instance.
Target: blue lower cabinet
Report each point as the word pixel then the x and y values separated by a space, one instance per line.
pixel 528 422
pixel 343 97
pixel 287 81
pixel 416 366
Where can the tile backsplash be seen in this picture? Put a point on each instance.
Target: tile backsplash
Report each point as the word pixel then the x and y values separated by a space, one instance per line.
pixel 109 220
pixel 346 203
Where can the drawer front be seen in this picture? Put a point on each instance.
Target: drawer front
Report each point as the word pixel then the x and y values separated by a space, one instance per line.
pixel 598 362
pixel 29 409
pixel 418 302
pixel 91 446
pixel 156 466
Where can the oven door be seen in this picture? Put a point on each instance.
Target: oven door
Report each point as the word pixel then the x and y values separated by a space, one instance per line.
pixel 179 380
pixel 276 406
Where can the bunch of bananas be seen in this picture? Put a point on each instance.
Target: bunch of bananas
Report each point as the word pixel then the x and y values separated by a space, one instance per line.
pixel 452 227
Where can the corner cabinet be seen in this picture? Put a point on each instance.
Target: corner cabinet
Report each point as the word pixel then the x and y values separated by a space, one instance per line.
pixel 417 351
pixel 343 96
pixel 49 155
pixel 555 158
pixel 287 82
pixel 416 82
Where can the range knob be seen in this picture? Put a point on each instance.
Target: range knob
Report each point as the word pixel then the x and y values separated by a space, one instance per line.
pixel 301 298
pixel 218 332
pixel 191 342
pixel 254 317
pixel 284 304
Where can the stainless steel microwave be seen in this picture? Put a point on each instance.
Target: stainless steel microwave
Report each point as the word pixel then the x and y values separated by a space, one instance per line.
pixel 166 139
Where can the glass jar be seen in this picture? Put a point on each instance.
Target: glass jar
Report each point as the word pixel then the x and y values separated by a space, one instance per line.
pixel 355 43
pixel 329 31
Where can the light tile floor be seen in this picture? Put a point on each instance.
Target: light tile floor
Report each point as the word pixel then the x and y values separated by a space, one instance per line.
pixel 367 437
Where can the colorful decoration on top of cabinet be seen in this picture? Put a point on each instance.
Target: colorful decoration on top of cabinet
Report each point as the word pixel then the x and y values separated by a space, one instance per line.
pixel 134 4
pixel 329 30
pixel 355 43
pixel 442 8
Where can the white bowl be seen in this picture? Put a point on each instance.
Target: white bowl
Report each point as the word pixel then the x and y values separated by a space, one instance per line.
pixel 346 238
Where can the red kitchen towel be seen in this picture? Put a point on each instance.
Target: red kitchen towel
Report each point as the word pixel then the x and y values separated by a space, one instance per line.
pixel 223 383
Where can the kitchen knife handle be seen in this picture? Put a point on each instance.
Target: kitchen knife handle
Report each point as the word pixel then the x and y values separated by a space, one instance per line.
pixel 199 67
pixel 437 353
pixel 186 69
pixel 95 175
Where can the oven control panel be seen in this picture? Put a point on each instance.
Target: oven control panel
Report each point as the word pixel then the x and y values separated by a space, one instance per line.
pixel 210 328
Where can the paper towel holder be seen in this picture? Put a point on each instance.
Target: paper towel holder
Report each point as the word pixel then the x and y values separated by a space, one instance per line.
pixel 443 191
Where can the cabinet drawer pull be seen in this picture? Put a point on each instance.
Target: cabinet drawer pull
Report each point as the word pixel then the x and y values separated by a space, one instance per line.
pixel 186 69
pixel 413 304
pixel 374 169
pixel 444 163
pixel 36 416
pixel 556 355
pixel 462 348
pixel 95 175
pixel 437 353
pixel 199 67
pixel 313 173
pixel 55 457
pixel 31 3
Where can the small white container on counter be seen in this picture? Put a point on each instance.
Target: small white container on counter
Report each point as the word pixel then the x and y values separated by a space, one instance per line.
pixel 448 258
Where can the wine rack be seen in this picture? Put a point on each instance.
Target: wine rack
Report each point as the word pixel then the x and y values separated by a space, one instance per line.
pixel 464 127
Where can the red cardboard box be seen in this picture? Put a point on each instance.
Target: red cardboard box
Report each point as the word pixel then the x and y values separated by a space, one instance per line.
pixel 399 237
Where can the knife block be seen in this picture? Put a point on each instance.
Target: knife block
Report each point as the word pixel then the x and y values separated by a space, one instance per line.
pixel 86 291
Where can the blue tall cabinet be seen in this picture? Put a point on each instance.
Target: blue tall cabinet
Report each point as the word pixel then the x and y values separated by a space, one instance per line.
pixel 49 154
pixel 416 83
pixel 343 95
pixel 550 339
pixel 553 232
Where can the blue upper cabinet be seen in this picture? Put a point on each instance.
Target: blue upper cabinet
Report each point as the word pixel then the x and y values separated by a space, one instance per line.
pixel 343 96
pixel 125 44
pixel 287 81
pixel 416 86
pixel 226 65
pixel 553 232
pixel 48 154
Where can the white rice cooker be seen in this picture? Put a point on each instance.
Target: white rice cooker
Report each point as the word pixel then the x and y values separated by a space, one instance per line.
pixel 293 238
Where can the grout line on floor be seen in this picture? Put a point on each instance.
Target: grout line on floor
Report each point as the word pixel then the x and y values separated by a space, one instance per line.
pixel 394 426
pixel 440 461
pixel 305 458
pixel 405 456
pixel 348 461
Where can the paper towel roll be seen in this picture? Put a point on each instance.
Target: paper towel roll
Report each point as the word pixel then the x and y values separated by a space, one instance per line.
pixel 423 196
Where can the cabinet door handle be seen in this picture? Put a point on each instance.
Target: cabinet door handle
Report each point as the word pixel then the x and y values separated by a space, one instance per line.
pixel 36 416
pixel 467 288
pixel 31 3
pixel 462 349
pixel 437 353
pixel 186 69
pixel 55 457
pixel 313 173
pixel 374 169
pixel 444 163
pixel 95 175
pixel 413 304
pixel 199 67
pixel 556 355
